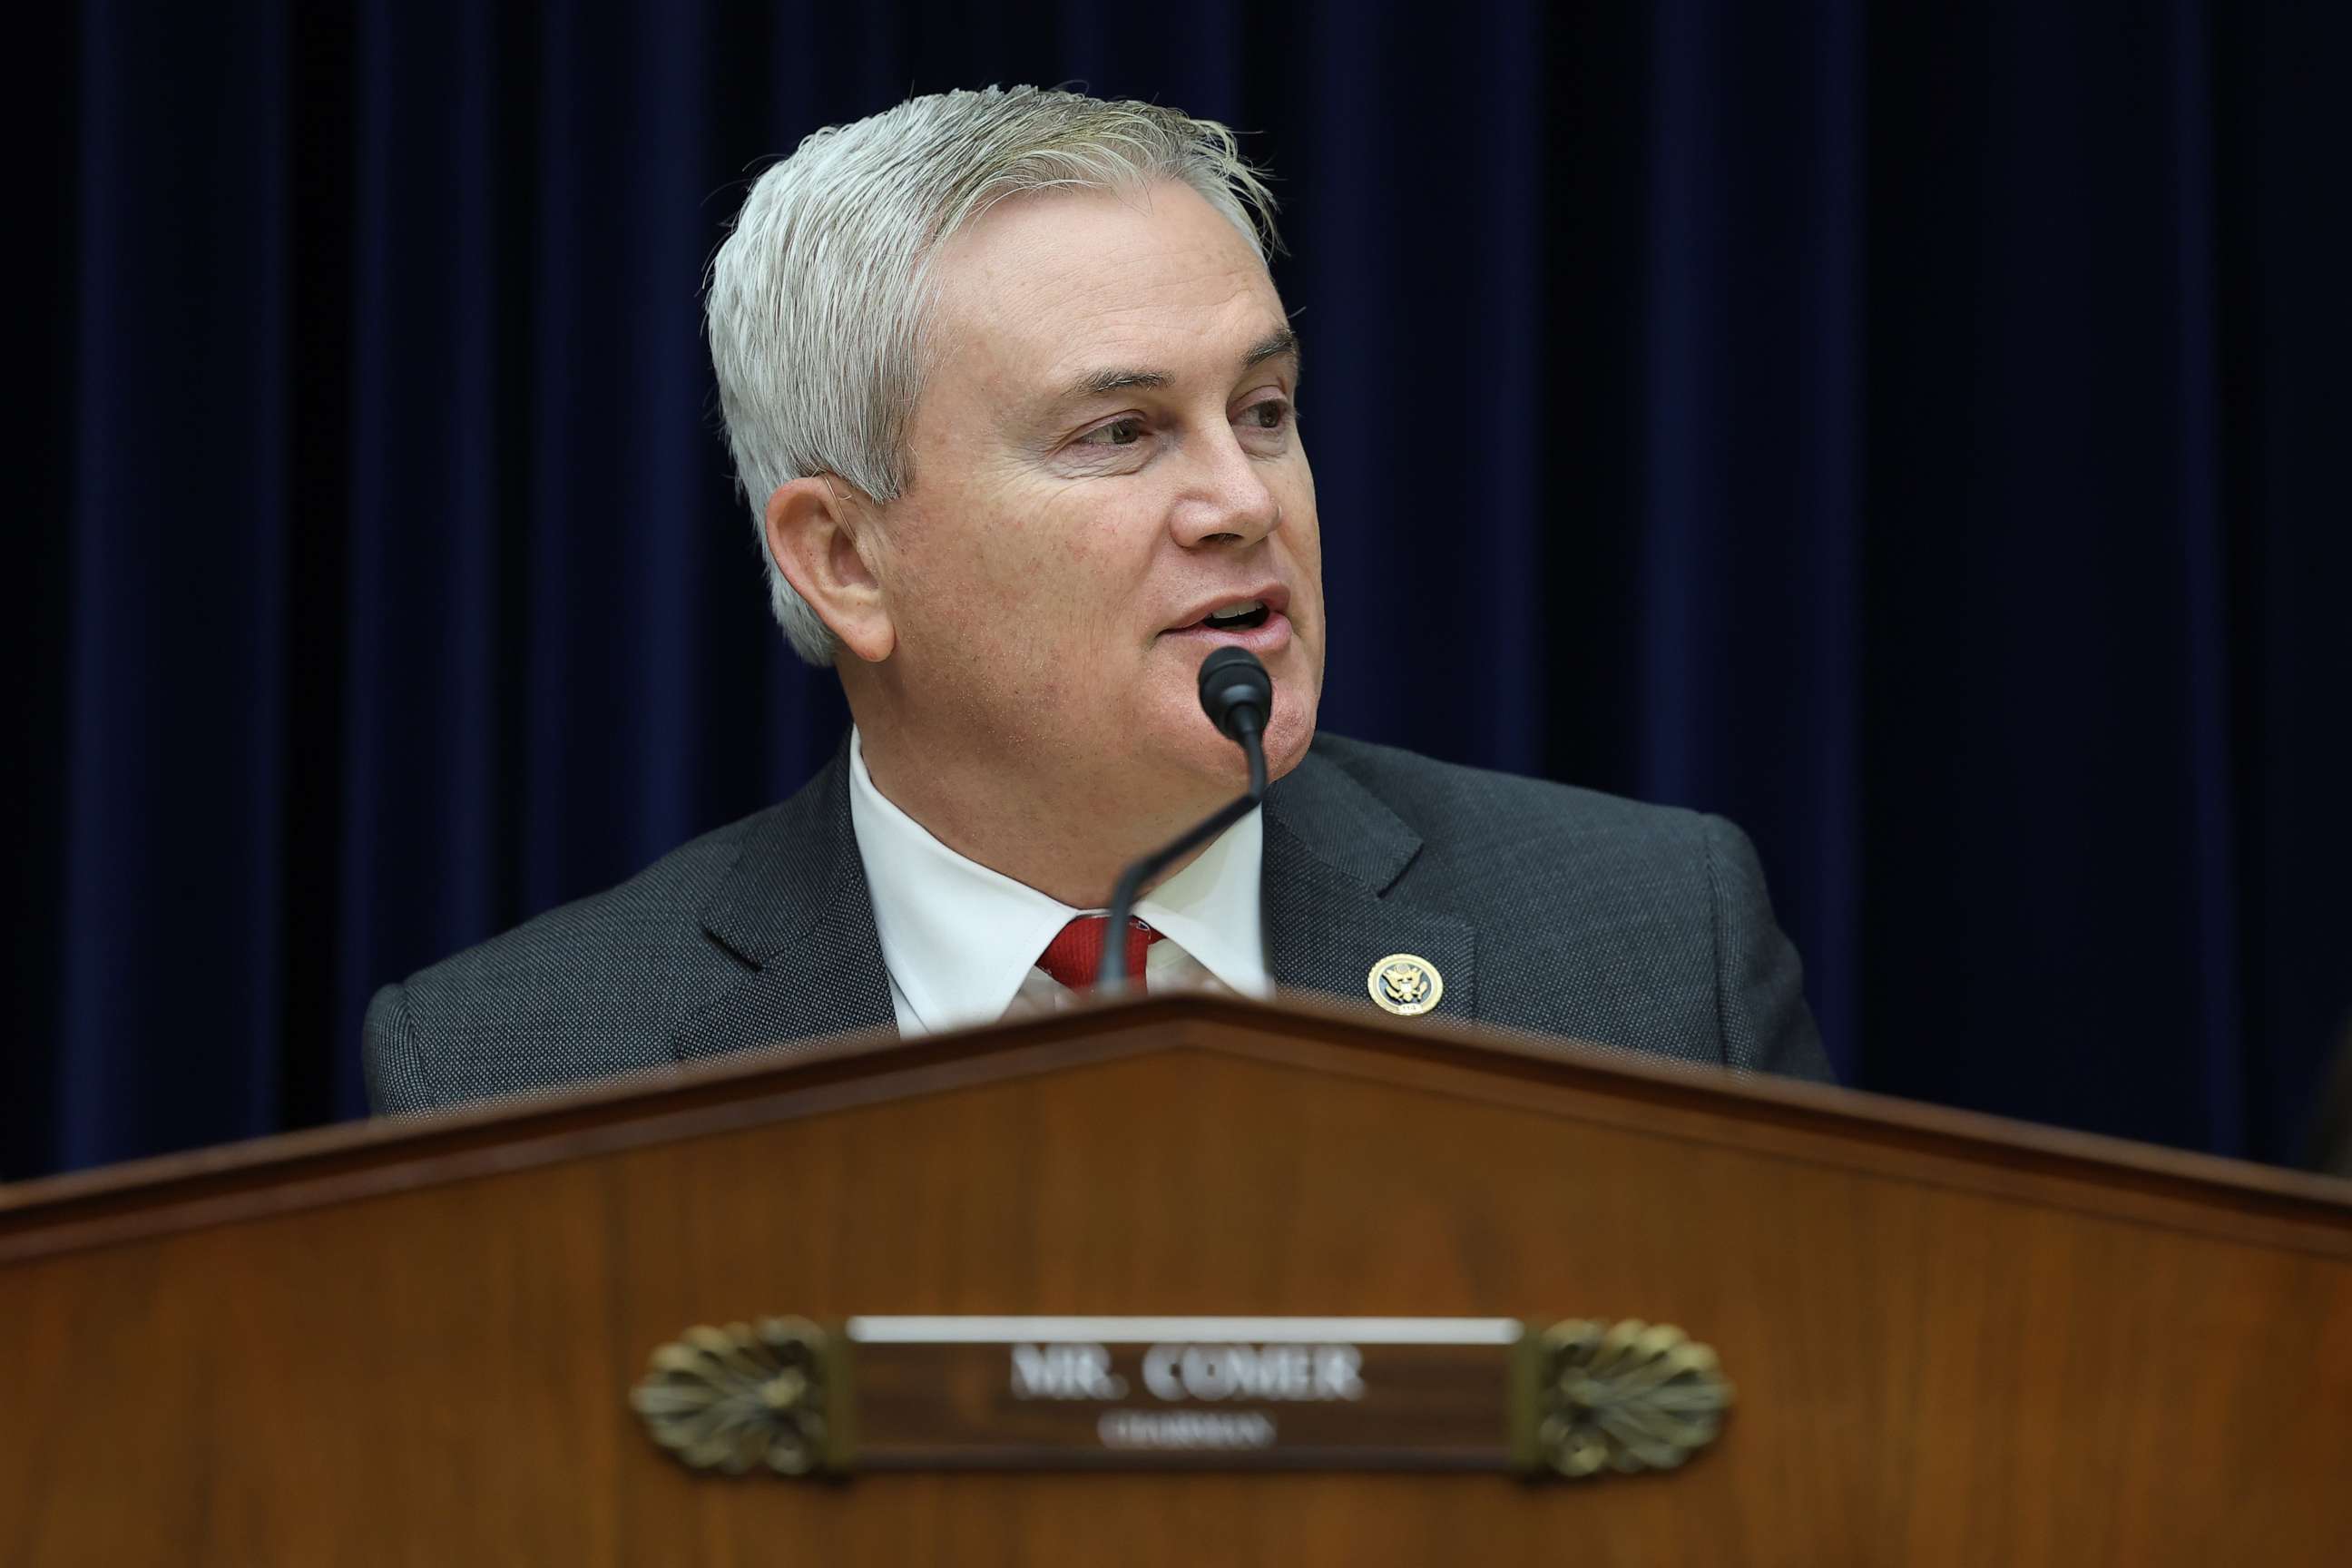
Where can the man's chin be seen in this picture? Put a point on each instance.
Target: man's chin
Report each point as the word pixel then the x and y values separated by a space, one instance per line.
pixel 1287 739
pixel 1205 770
pixel 1182 754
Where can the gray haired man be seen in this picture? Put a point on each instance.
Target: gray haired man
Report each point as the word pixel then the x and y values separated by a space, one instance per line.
pixel 1015 403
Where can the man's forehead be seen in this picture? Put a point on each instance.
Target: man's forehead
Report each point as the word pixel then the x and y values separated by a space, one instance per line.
pixel 1066 291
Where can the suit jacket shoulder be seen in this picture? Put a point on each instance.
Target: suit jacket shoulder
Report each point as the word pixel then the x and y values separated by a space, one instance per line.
pixel 757 933
pixel 1572 913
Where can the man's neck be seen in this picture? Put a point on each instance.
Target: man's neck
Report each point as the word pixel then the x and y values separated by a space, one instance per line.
pixel 1070 845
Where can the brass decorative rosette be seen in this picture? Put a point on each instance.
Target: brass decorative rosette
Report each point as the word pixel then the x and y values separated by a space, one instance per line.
pixel 1625 1397
pixel 740 1397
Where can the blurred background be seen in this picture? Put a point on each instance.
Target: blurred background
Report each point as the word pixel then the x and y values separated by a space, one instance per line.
pixel 1917 433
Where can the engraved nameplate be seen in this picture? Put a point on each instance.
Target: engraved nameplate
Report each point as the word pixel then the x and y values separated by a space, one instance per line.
pixel 1315 1392
pixel 1159 1392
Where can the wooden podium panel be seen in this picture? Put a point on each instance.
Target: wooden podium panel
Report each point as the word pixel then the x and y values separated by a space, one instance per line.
pixel 1954 1340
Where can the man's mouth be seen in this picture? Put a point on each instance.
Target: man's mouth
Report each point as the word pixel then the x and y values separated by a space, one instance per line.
pixel 1256 620
pixel 1240 616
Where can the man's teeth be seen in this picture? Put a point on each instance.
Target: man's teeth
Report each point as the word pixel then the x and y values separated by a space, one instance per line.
pixel 1231 613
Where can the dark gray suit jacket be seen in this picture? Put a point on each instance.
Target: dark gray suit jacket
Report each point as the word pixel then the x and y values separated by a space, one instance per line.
pixel 1545 908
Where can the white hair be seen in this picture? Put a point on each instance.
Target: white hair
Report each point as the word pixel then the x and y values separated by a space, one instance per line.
pixel 818 299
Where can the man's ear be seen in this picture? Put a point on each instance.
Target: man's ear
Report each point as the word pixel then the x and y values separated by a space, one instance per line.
pixel 815 529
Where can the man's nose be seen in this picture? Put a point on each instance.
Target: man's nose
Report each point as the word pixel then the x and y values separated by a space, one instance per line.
pixel 1230 502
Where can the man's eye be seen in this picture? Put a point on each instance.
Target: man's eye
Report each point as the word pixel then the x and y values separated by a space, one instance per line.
pixel 1118 433
pixel 1271 415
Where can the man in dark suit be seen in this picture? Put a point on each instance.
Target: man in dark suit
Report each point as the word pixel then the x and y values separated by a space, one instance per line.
pixel 1012 396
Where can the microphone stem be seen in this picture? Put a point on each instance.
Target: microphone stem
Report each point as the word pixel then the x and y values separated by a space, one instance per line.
pixel 1110 979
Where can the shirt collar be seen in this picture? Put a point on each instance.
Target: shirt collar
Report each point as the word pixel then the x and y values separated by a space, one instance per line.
pixel 1213 909
pixel 959 938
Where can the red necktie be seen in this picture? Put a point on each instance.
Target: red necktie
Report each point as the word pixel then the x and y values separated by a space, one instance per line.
pixel 1074 957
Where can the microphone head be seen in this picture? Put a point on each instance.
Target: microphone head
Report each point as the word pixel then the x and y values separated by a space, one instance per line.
pixel 1232 679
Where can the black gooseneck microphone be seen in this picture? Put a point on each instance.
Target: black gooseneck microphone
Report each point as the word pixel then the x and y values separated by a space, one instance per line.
pixel 1237 694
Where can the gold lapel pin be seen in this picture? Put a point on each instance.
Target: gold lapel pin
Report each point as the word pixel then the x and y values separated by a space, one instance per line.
pixel 1406 984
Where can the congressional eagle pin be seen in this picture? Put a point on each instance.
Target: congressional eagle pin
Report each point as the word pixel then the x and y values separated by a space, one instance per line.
pixel 1406 984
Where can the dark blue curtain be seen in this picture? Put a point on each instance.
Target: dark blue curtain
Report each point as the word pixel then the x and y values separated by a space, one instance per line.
pixel 1914 433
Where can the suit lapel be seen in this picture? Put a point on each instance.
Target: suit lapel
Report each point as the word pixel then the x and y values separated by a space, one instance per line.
pixel 795 910
pixel 1333 851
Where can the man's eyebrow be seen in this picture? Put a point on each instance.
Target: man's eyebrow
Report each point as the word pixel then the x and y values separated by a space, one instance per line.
pixel 1102 383
pixel 1099 383
pixel 1282 341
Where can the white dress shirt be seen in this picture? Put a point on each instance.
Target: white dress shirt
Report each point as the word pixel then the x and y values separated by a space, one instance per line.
pixel 961 941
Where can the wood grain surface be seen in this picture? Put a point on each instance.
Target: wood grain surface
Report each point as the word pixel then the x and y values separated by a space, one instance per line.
pixel 1954 1341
